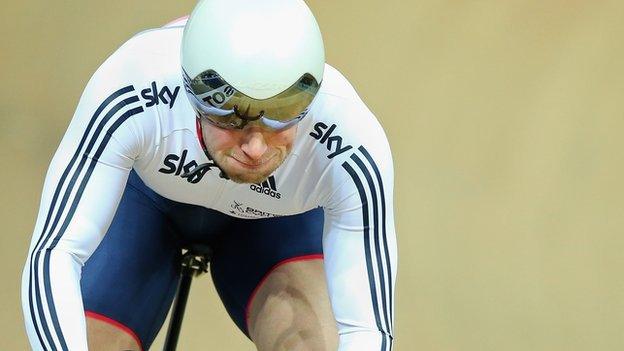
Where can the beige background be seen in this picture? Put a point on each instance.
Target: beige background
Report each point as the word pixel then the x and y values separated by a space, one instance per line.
pixel 505 119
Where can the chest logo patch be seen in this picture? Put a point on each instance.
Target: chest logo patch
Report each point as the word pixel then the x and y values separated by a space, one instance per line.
pixel 267 187
pixel 242 210
pixel 178 166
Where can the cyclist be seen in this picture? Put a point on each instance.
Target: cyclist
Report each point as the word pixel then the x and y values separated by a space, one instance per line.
pixel 227 131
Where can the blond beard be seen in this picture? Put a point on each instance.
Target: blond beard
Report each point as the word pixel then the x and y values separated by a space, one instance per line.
pixel 245 178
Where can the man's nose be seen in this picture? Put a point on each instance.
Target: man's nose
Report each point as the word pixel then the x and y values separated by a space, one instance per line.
pixel 254 145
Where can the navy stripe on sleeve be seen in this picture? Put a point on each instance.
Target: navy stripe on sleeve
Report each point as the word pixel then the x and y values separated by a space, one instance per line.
pixel 46 235
pixel 384 235
pixel 380 269
pixel 367 248
pixel 380 273
pixel 34 258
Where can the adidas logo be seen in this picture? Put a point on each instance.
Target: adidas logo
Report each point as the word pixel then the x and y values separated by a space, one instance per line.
pixel 267 188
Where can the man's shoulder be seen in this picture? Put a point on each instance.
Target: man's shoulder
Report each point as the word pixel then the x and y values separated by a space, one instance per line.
pixel 341 120
pixel 336 84
pixel 340 133
pixel 155 48
pixel 339 102
pixel 146 68
pixel 159 40
pixel 150 55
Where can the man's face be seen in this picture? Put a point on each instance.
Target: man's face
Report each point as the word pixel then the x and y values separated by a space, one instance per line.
pixel 248 155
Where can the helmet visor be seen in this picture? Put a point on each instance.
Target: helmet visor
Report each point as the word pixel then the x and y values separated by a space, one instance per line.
pixel 222 105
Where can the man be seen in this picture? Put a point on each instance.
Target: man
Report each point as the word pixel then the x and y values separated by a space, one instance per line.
pixel 246 143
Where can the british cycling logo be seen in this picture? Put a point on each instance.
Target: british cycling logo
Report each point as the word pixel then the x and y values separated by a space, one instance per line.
pixel 334 143
pixel 174 164
pixel 267 187
pixel 154 96
pixel 240 209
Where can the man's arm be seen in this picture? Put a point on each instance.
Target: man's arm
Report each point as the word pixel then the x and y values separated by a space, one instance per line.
pixel 360 251
pixel 82 189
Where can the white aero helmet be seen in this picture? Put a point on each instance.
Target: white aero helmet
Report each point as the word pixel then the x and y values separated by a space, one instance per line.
pixel 251 60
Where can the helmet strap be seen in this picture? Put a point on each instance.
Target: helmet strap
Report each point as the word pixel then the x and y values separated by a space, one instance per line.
pixel 200 136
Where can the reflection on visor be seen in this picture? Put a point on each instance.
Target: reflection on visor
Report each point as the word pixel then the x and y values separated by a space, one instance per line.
pixel 217 101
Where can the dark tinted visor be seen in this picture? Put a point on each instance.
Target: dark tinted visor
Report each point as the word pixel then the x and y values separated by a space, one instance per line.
pixel 216 100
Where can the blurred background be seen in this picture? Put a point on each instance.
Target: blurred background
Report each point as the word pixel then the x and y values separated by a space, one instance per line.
pixel 505 120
